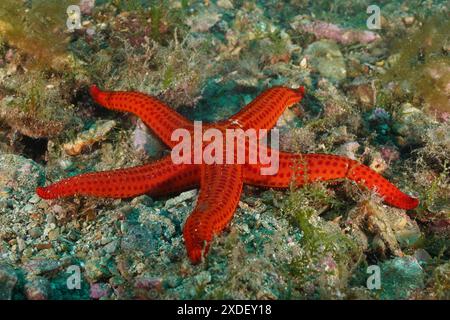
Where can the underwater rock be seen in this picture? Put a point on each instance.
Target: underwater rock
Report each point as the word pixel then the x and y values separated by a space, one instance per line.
pixel 31 126
pixel 111 247
pixel 325 30
pixel 37 289
pixel 408 21
pixel 441 277
pixel 203 21
pixel 400 277
pixel 96 133
pixel 378 164
pixel 86 6
pixel 406 230
pixel 288 120
pixel 363 91
pixel 255 36
pixel 100 290
pixel 144 200
pixel 226 4
pixel 138 237
pixel 8 280
pixel 42 266
pixel 297 140
pixel 441 226
pixel 145 282
pixel 349 149
pixel 144 141
pixel 19 174
pixel 35 232
pixel 422 256
pixel 203 278
pixel 96 270
pixel 440 137
pixel 183 197
pixel 355 68
pixel 331 280
pixel 325 57
pixel 391 228
pixel 35 106
pixel 146 287
pixel 411 125
pixel 439 74
pixel 436 151
pixel 389 154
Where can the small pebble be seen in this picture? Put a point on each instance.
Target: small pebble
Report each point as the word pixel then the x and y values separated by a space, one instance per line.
pixel 100 290
pixel 408 21
pixel 34 199
pixel 53 234
pixel 35 232
pixel 37 289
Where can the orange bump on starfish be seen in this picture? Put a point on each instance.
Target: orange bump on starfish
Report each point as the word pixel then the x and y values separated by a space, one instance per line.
pixel 220 184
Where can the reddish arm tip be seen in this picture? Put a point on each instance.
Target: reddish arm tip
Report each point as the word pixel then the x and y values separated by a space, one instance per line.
pixel 301 90
pixel 400 200
pixel 99 96
pixel 44 193
pixel 195 255
pixel 94 91
pixel 412 203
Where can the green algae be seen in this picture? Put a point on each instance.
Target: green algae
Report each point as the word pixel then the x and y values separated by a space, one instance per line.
pixel 420 64
pixel 164 18
pixel 436 190
pixel 171 69
pixel 37 29
pixel 320 239
pixel 400 277
pixel 441 277
pixel 39 108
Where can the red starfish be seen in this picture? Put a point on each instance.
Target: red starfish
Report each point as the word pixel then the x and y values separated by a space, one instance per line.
pixel 220 184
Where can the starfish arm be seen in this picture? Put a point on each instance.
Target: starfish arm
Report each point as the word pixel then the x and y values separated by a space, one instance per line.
pixel 153 178
pixel 220 190
pixel 159 117
pixel 264 111
pixel 320 167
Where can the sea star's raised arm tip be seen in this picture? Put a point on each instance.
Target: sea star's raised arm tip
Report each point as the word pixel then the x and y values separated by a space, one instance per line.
pixel 97 94
pixel 301 90
pixel 94 90
pixel 410 203
pixel 44 193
